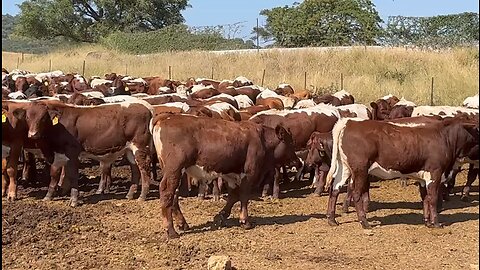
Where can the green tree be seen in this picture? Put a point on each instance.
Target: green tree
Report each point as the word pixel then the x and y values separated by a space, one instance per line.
pixel 322 23
pixel 87 20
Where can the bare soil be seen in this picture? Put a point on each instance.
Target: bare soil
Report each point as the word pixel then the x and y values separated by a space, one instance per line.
pixel 109 232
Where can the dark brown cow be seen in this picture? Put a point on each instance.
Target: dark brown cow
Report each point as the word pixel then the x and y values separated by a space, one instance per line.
pixel 208 82
pixel 241 81
pixel 270 102
pixel 103 132
pixel 157 85
pixel 166 98
pixel 319 155
pixel 250 91
pixel 424 151
pixel 337 99
pixel 232 150
pixel 284 90
pixel 302 123
pixel 204 93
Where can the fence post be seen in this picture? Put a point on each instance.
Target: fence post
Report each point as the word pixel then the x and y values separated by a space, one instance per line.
pixel 431 94
pixel 263 77
pixel 83 68
pixel 212 73
pixel 169 72
pixel 341 81
pixel 22 57
pixel 305 81
pixel 50 66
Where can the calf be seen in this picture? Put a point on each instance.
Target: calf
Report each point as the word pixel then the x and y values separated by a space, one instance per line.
pixel 391 150
pixel 103 132
pixel 239 152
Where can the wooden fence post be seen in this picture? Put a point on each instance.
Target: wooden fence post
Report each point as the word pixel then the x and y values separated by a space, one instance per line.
pixel 50 66
pixel 431 94
pixel 212 73
pixel 22 57
pixel 341 81
pixel 169 72
pixel 263 77
pixel 83 68
pixel 305 81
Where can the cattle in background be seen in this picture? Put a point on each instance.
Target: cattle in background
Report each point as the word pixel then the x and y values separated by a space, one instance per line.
pixel 423 151
pixel 382 107
pixel 165 98
pixel 157 85
pixel 302 123
pixel 71 131
pixel 341 97
pixel 239 152
pixel 207 82
pixel 403 108
pixel 284 89
pixel 471 102
pixel 307 103
pixel 241 81
pixel 443 111
pixel 287 102
pixel 250 91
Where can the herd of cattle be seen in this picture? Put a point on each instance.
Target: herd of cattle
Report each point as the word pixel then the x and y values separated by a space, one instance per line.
pixel 233 135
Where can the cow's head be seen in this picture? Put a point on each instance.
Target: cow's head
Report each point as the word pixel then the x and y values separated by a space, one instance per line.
pixel 380 109
pixel 284 152
pixel 15 117
pixel 40 118
pixel 317 149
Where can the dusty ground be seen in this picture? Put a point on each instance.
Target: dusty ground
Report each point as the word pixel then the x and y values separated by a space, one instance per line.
pixel 109 232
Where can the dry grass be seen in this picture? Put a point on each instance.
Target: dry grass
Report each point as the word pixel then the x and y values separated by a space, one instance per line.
pixel 368 74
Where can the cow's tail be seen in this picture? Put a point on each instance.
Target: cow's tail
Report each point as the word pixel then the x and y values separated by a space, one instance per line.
pixel 337 134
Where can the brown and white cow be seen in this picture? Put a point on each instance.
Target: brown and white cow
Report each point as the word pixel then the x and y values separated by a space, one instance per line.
pixel 103 132
pixel 239 152
pixel 341 97
pixel 391 150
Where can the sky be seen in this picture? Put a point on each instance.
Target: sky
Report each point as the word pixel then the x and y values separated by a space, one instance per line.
pixel 220 12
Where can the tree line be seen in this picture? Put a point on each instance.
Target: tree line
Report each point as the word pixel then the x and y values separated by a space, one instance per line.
pixel 310 23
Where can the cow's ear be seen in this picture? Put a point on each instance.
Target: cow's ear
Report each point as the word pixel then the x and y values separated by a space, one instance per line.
pixel 374 105
pixel 19 113
pixel 281 132
pixel 54 115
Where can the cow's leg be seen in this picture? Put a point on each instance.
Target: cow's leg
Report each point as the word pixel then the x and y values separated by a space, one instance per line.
pixel 167 188
pixel 4 178
pixel 105 179
pixel 300 171
pixel 321 176
pixel 12 166
pixel 220 219
pixel 178 215
pixel 285 174
pixel 332 201
pixel 55 171
pixel 403 182
pixel 451 179
pixel 267 182
pixel 142 158
pixel 472 175
pixel 202 189
pixel 216 189
pixel 276 183
pixel 29 173
pixel 71 172
pixel 360 191
pixel 135 176
pixel 347 202
pixel 433 190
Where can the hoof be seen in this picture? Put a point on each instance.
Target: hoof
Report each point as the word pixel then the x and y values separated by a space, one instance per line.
pixel 201 197
pixel 47 198
pixel 365 225
pixel 183 227
pixel 216 198
pixel 129 196
pixel 464 198
pixel 345 209
pixel 98 192
pixel 11 198
pixel 172 234
pixel 219 221
pixel 315 194
pixel 246 225
pixel 74 203
pixel 142 199
pixel 332 222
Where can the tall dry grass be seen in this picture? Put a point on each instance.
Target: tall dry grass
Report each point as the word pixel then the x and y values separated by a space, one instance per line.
pixel 368 74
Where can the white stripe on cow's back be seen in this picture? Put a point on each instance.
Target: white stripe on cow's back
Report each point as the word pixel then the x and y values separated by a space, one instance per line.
pixel 222 95
pixel 360 109
pixel 340 94
pixel 407 124
pixel 243 101
pixel 221 107
pixel 405 102
pixel 184 106
pixel 387 96
pixel 305 103
pixel 448 110
pixel 471 102
pixel 326 109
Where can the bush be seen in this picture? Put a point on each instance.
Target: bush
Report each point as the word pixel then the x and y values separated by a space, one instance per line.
pixel 171 38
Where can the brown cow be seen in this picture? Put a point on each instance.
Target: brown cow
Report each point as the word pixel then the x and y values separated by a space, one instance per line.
pixel 270 102
pixel 424 151
pixel 337 99
pixel 284 89
pixel 232 150
pixel 70 131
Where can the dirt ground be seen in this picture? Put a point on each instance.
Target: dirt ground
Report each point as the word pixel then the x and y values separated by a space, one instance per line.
pixel 109 232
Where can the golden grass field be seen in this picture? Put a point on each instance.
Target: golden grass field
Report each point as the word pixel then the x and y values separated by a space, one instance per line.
pixel 368 74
